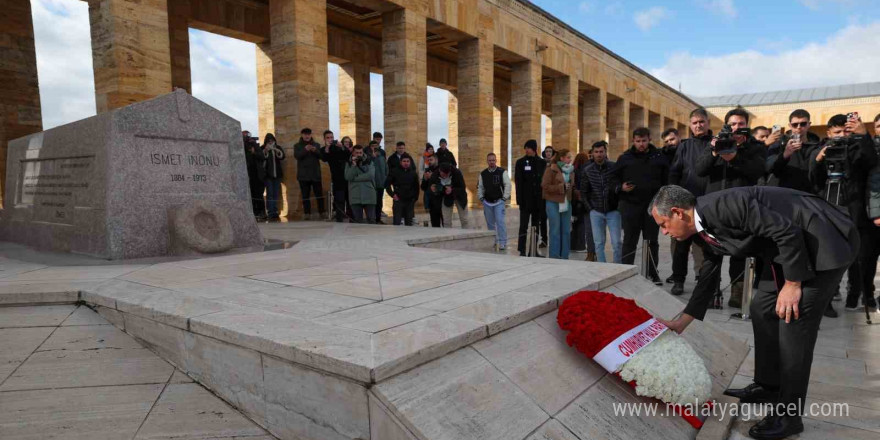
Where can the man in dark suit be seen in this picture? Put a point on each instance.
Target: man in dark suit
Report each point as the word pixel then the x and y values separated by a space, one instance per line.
pixel 809 241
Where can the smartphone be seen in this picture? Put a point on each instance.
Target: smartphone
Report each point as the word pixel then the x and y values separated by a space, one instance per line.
pixel 853 116
pixel 776 128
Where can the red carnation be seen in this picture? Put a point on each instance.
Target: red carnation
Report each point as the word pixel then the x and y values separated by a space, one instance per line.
pixel 594 319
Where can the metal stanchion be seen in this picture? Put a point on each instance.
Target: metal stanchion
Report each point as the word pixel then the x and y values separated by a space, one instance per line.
pixel 529 242
pixel 331 209
pixel 748 290
pixel 646 257
pixel 535 242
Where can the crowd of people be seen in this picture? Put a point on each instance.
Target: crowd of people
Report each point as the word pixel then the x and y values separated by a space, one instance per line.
pixel 578 202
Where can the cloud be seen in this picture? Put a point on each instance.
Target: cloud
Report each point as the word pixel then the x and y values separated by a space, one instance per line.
pixel 813 65
pixel 224 75
pixel 585 7
pixel 614 8
pixel 64 61
pixel 651 17
pixel 816 5
pixel 722 7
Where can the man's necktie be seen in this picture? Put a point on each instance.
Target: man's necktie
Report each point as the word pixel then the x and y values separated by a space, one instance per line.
pixel 708 239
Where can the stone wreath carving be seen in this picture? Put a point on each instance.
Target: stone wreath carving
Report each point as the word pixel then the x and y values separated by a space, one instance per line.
pixel 203 227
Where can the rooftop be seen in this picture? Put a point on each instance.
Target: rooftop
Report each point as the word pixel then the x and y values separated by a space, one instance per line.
pixel 793 95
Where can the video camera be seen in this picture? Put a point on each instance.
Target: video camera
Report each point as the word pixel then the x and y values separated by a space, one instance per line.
pixel 725 142
pixel 836 161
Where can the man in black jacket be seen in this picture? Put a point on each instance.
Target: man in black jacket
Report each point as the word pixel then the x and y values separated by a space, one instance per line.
pixel 528 172
pixel 448 187
pixel 444 155
pixel 741 167
pixel 337 155
pixel 399 153
pixel 682 173
pixel 433 203
pixel 788 159
pixel 849 193
pixel 811 240
pixel 641 171
pixel 308 172
pixel 599 192
pixel 256 169
pixel 403 187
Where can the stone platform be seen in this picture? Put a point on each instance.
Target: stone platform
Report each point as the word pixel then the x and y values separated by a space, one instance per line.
pixel 354 333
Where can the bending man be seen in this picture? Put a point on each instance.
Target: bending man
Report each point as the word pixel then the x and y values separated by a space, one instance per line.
pixel 809 241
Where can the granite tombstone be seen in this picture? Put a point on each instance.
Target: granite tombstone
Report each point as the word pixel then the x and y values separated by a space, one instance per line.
pixel 160 177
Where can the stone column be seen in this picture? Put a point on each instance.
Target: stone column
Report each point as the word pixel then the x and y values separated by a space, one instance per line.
pixel 405 81
pixel 131 54
pixel 655 124
pixel 452 125
pixel 354 103
pixel 178 38
pixel 475 99
pixel 19 89
pixel 618 127
pixel 637 117
pixel 292 83
pixel 526 103
pixel 548 132
pixel 594 118
pixel 500 125
pixel 565 113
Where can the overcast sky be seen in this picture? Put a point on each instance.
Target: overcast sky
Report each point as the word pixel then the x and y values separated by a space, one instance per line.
pixel 706 47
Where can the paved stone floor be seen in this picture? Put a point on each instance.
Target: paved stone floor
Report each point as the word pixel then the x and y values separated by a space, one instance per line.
pixel 66 373
pixel 33 352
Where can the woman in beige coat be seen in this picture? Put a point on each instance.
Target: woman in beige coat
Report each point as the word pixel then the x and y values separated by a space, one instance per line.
pixel 556 188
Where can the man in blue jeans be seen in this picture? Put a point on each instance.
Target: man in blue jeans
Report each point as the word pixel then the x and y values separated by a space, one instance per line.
pixel 597 191
pixel 493 189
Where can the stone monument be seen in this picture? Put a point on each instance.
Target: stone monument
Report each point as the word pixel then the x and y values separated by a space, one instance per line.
pixel 160 177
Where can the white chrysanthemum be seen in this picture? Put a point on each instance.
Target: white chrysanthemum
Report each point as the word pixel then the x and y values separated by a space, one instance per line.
pixel 670 370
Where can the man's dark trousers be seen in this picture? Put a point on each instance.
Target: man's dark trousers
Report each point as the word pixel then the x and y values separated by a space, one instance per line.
pixel 306 187
pixel 680 255
pixel 527 215
pixel 403 209
pixel 341 208
pixel 784 352
pixel 637 222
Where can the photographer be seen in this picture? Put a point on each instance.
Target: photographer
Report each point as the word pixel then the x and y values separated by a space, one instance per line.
pixel 788 159
pixel 682 173
pixel 403 187
pixel 447 186
pixel 381 167
pixel 361 177
pixel 433 202
pixel 253 155
pixel 337 156
pixel 735 159
pixel 308 173
pixel 273 155
pixel 840 168
pixel 639 173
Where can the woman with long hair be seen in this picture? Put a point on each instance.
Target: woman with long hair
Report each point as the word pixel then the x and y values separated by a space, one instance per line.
pixel 556 188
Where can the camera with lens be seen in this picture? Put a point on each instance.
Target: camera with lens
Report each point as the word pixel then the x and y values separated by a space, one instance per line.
pixel 725 143
pixel 836 158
